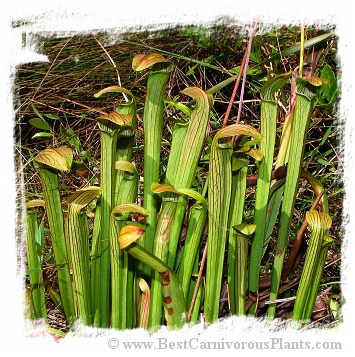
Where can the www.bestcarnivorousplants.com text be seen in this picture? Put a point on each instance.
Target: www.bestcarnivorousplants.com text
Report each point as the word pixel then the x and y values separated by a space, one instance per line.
pixel 162 343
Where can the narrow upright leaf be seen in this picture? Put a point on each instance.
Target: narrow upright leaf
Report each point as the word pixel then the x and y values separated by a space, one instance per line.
pixel 268 116
pixel 160 69
pixel 111 125
pixel 34 243
pixel 49 162
pixel 319 224
pixel 78 239
pixel 306 92
pixel 219 196
pixel 185 153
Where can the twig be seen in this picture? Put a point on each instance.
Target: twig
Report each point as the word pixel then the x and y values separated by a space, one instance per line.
pixel 65 111
pixel 332 261
pixel 236 85
pixel 235 89
pixel 238 101
pixel 301 51
pixel 251 38
pixel 199 277
pixel 49 70
pixel 82 105
pixel 280 300
pixel 113 64
pixel 264 295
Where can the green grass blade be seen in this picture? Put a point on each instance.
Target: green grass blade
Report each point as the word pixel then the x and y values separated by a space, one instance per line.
pixel 294 49
pixel 289 51
pixel 56 298
pixel 306 91
pixel 188 59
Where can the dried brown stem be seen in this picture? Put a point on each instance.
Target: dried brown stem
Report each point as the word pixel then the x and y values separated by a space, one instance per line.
pixel 236 85
pixel 202 265
pixel 82 105
pixel 251 38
